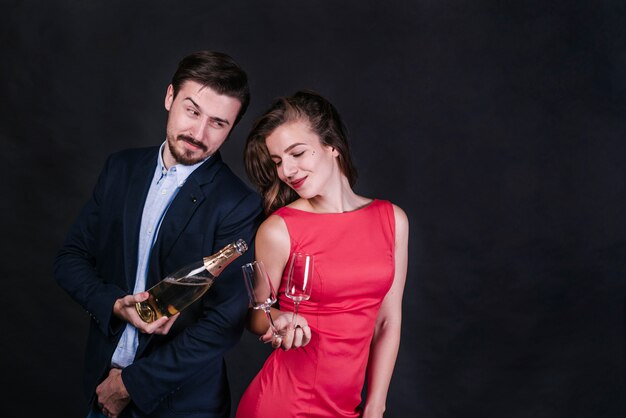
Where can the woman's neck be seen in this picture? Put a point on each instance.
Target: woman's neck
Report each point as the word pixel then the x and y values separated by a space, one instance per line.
pixel 334 200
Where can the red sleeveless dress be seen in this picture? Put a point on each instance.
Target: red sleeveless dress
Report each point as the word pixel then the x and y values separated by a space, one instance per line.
pixel 354 269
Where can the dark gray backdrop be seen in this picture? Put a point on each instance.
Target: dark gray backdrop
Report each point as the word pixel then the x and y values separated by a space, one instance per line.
pixel 498 127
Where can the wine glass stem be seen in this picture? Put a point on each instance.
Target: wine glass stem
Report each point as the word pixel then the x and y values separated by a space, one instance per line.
pixel 269 317
pixel 295 313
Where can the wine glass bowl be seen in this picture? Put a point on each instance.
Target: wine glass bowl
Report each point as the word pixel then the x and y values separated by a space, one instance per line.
pixel 260 290
pixel 299 278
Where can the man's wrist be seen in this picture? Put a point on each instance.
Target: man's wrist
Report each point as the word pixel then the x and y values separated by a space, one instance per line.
pixel 121 387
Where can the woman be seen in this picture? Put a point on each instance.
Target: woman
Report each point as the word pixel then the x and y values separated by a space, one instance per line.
pixel 297 154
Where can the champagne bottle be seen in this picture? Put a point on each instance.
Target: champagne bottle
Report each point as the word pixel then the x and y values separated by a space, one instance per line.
pixel 180 289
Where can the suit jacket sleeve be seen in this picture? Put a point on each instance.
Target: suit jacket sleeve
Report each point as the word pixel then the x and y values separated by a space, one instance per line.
pixel 75 267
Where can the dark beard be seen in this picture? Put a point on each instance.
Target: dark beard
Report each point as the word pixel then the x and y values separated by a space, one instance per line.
pixel 187 157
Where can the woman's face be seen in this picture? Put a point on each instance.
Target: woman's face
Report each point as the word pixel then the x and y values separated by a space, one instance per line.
pixel 302 161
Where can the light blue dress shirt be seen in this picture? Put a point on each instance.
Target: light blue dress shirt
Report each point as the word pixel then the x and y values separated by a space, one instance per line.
pixel 163 188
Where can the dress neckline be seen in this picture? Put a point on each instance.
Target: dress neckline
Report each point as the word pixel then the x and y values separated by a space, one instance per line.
pixel 359 209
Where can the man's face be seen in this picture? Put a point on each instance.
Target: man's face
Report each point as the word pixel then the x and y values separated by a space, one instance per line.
pixel 198 123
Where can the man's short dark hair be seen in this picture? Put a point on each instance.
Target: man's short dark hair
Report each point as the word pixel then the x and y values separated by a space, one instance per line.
pixel 215 70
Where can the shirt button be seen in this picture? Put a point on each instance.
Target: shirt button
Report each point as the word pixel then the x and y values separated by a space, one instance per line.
pixel 164 191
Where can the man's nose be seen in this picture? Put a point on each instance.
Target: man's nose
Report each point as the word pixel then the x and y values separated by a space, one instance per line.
pixel 199 128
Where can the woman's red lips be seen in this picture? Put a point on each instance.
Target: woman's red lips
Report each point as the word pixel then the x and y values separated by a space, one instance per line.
pixel 297 183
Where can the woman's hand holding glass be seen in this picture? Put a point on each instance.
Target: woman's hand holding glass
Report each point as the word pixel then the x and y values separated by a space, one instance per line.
pixel 290 336
pixel 293 327
pixel 281 332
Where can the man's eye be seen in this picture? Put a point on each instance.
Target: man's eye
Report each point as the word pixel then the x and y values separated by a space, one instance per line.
pixel 192 112
pixel 218 124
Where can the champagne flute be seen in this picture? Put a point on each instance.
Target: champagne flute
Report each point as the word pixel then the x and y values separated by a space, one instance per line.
pixel 299 280
pixel 260 290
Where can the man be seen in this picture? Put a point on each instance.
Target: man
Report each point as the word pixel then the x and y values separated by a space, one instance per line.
pixel 154 210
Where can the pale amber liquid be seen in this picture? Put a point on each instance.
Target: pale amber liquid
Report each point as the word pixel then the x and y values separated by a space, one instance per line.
pixel 170 296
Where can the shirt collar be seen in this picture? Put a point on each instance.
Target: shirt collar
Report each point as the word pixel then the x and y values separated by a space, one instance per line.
pixel 181 171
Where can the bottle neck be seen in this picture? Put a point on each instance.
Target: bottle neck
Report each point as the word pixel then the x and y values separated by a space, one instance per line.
pixel 217 262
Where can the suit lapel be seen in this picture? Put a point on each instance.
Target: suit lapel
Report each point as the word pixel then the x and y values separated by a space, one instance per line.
pixel 181 210
pixel 139 183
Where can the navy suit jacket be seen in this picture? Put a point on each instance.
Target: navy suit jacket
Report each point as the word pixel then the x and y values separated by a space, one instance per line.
pixel 182 373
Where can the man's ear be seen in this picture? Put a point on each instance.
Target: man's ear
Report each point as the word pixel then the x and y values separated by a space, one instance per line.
pixel 169 97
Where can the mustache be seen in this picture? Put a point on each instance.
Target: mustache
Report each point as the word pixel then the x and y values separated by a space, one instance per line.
pixel 189 139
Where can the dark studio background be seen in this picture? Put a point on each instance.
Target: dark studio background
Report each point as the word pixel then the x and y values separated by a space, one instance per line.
pixel 498 127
